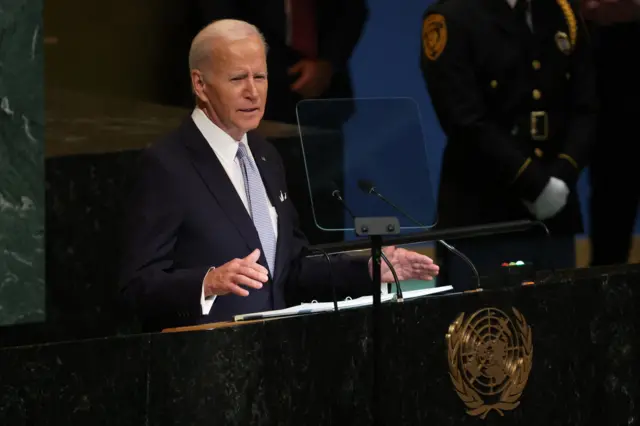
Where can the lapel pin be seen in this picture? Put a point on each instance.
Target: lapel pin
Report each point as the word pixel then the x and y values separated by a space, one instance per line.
pixel 263 159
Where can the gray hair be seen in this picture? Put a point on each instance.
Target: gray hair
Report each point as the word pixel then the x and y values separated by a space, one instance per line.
pixel 224 30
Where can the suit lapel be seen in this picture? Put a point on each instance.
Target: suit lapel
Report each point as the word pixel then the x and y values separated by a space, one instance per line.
pixel 269 173
pixel 217 181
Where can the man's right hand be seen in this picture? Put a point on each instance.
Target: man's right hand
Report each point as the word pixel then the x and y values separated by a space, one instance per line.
pixel 239 272
pixel 552 199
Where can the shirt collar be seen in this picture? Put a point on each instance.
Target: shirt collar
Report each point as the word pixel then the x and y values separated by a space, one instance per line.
pixel 222 144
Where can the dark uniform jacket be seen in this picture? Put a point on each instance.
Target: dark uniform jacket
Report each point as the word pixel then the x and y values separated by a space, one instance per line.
pixel 517 106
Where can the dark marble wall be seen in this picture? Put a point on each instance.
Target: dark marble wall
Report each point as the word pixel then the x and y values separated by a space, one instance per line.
pixel 75 384
pixel 94 119
pixel 85 199
pixel 22 284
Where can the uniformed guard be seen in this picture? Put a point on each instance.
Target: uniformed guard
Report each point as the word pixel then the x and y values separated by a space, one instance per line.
pixel 513 86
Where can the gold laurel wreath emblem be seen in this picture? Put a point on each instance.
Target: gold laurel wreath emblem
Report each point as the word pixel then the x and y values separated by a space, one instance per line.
pixel 509 397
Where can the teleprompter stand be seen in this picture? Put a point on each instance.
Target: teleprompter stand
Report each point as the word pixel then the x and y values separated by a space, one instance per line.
pixel 375 228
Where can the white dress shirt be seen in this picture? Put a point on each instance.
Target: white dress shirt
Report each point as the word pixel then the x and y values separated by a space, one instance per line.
pixel 225 148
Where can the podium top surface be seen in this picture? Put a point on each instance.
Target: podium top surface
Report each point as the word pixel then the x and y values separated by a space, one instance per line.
pixel 216 325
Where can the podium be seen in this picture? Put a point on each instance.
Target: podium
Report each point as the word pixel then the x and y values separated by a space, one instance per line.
pixel 571 347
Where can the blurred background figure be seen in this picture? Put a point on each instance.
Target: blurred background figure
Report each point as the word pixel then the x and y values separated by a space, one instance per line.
pixel 614 173
pixel 310 44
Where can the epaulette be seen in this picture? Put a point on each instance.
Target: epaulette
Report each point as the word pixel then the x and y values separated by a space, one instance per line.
pixel 434 34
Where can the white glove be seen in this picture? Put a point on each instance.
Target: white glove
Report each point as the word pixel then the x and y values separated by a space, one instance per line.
pixel 552 199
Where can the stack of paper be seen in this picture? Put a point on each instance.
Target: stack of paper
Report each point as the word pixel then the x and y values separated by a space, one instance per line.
pixel 315 307
pixel 408 295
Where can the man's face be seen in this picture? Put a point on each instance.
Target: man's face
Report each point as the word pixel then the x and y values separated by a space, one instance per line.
pixel 235 90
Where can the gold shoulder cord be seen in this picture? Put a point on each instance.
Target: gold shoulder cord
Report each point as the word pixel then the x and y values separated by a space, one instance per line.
pixel 572 24
pixel 570 17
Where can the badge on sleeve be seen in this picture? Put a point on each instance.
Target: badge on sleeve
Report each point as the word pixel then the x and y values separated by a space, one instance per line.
pixel 434 36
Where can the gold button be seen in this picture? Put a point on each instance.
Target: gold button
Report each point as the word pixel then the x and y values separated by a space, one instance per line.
pixel 538 152
pixel 536 94
pixel 494 84
pixel 536 64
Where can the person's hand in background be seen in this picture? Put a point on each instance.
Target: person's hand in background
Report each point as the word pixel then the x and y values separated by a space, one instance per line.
pixel 607 12
pixel 314 77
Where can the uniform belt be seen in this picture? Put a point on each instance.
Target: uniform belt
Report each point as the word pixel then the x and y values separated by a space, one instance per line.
pixel 539 125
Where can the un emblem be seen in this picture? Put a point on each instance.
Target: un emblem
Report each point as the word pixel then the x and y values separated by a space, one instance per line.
pixel 490 358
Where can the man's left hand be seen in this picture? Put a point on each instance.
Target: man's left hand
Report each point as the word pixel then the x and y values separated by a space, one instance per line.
pixel 408 265
pixel 314 77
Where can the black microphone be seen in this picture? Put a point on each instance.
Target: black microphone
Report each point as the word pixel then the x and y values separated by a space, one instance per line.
pixel 368 187
pixel 336 194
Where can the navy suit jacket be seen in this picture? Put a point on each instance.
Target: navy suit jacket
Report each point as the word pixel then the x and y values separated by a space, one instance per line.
pixel 185 216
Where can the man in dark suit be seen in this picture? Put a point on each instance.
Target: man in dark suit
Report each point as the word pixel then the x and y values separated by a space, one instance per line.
pixel 513 86
pixel 310 43
pixel 211 231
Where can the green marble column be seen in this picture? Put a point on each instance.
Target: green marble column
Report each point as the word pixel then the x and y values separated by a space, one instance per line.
pixel 22 284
